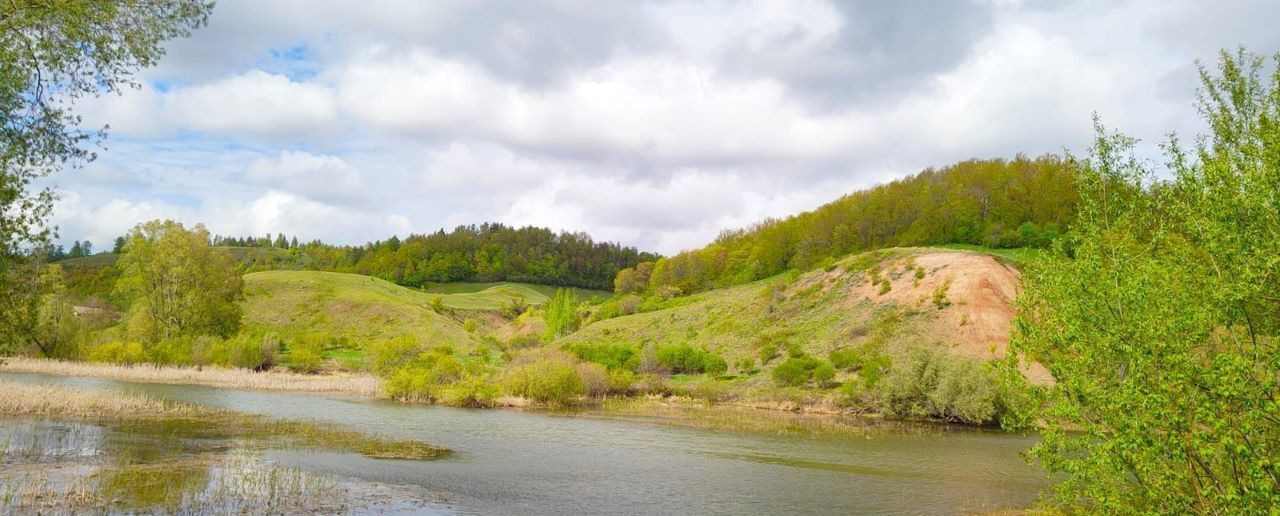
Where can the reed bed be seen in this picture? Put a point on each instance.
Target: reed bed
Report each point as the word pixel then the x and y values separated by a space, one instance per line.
pixel 54 402
pixel 279 381
pixel 144 414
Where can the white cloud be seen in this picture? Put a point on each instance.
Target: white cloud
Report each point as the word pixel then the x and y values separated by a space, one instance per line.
pixel 654 110
pixel 621 120
pixel 322 178
pixel 248 106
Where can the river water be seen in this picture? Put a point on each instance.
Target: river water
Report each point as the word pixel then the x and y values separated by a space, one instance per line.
pixel 513 462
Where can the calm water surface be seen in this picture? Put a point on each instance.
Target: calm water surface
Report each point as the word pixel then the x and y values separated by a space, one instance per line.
pixel 507 462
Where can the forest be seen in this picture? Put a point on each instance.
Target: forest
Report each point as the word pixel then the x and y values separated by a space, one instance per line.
pixel 996 203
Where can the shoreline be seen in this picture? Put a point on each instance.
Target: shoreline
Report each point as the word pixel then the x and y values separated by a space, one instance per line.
pixel 271 381
pixel 745 415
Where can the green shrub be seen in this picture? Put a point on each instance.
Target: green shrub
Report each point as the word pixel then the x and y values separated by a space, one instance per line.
pixel 795 372
pixel 116 352
pixel 175 351
pixel 203 349
pixel 768 352
pixel 845 359
pixel 873 369
pixel 746 365
pixel 621 381
pixel 408 384
pixel 612 356
pixel 794 350
pixel 515 307
pixel 306 354
pixel 251 351
pixel 629 304
pixel 421 379
pixel 929 382
pixel 686 359
pixel 561 314
pixel 823 374
pixel 545 375
pixel 940 295
pixel 470 391
pixel 385 356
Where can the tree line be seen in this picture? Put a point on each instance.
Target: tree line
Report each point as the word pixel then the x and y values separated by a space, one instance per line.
pixel 989 202
pixel 485 252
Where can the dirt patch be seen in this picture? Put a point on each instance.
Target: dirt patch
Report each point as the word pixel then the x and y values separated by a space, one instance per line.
pixel 971 294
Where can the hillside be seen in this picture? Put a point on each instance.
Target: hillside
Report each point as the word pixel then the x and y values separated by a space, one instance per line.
pixel 961 300
pixel 359 307
pixel 994 203
pixel 492 296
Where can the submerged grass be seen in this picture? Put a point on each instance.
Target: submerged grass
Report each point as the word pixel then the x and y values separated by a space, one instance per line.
pixel 146 415
pixel 235 483
pixel 354 384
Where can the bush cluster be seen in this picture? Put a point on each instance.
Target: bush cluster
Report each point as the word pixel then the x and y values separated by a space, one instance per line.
pixel 686 359
pixel 929 382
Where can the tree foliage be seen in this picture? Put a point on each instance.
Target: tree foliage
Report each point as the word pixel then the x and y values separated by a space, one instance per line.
pixel 487 252
pixel 179 283
pixel 997 203
pixel 562 313
pixel 53 52
pixel 1159 317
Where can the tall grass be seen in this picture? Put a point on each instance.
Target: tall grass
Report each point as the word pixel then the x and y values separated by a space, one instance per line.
pixel 360 385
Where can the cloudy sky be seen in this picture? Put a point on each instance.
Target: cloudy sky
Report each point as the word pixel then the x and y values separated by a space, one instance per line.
pixel 656 124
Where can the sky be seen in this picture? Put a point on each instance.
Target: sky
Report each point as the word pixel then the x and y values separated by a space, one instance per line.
pixel 656 124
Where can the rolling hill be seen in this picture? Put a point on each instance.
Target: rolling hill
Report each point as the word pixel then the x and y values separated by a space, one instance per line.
pixel 959 299
pixel 492 296
pixel 361 308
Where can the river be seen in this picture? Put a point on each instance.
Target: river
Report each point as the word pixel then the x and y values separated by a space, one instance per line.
pixel 519 462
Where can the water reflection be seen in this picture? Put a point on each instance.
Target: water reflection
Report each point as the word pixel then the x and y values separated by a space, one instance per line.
pixel 512 462
pixel 65 467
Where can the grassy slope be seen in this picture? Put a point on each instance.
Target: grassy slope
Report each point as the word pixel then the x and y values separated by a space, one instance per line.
pixel 360 307
pixel 816 310
pixel 491 296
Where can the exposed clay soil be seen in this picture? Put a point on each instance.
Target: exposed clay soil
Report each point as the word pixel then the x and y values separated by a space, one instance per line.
pixel 973 296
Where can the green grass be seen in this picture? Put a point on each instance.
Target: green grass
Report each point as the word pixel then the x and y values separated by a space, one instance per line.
pixel 815 311
pixel 344 354
pixel 361 308
pixel 491 296
pixel 1018 256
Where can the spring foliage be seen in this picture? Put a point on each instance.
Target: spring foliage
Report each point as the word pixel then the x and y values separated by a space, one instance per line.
pixel 996 203
pixel 179 283
pixel 1159 317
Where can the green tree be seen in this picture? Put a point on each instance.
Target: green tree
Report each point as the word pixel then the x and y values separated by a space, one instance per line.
pixel 180 283
pixel 53 52
pixel 561 314
pixel 1159 317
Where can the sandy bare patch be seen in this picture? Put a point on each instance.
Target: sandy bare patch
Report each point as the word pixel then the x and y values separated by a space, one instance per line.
pixel 972 294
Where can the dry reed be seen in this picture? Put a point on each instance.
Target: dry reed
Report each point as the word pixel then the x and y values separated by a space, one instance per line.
pixel 359 385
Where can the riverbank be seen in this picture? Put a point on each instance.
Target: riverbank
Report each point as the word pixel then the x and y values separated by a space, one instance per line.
pixel 276 381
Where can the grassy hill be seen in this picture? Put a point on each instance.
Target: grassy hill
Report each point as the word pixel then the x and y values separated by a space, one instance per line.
pixel 361 308
pixel 958 299
pixel 492 296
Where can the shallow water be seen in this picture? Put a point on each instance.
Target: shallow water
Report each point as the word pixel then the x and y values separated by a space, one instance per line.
pixel 522 462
